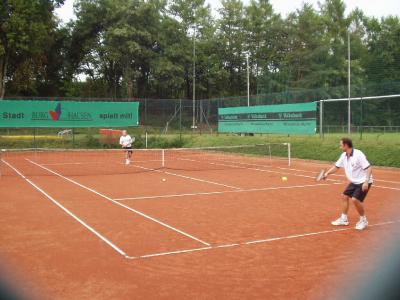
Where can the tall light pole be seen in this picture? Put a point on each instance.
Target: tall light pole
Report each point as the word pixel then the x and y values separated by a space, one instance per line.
pixel 248 80
pixel 348 84
pixel 194 78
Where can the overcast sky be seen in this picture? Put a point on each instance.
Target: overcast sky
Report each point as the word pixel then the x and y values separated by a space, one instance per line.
pixel 369 7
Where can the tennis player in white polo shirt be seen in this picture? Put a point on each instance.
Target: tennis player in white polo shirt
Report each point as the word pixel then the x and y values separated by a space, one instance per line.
pixel 359 172
pixel 126 142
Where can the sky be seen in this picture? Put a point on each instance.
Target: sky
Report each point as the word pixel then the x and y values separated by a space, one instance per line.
pixel 371 8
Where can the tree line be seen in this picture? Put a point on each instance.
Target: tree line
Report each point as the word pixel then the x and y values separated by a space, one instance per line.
pixel 152 48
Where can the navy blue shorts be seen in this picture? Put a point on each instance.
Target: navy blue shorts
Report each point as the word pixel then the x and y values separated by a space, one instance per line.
pixel 128 149
pixel 355 191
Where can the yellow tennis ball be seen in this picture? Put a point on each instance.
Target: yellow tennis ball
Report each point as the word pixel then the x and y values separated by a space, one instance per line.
pixel 164 179
pixel 284 178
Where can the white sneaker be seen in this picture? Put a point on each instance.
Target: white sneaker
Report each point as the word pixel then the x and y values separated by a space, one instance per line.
pixel 340 222
pixel 127 162
pixel 362 224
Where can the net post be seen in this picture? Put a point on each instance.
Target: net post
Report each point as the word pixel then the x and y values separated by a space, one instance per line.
pixel 145 138
pixel 163 158
pixel 289 155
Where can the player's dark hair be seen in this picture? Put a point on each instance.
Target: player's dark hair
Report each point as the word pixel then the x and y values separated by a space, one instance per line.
pixel 348 142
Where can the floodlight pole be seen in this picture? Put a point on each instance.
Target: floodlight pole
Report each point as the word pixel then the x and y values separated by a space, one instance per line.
pixel 348 84
pixel 248 80
pixel 194 78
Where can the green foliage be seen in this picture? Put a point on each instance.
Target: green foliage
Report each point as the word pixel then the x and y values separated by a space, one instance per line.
pixel 381 150
pixel 91 141
pixel 144 48
pixel 27 33
pixel 165 142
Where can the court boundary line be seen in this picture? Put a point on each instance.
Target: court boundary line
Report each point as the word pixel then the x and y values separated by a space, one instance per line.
pixel 121 252
pixel 260 241
pixel 323 163
pixel 336 175
pixel 68 212
pixel 225 192
pixel 186 177
pixel 254 169
pixel 385 187
pixel 373 185
pixel 294 174
pixel 120 204
pixel 98 163
pixel 241 163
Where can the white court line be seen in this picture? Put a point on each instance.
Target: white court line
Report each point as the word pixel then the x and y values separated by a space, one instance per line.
pixel 263 241
pixel 188 177
pixel 172 252
pixel 374 185
pixel 224 192
pixel 336 175
pixel 73 163
pixel 386 187
pixel 294 174
pixel 381 168
pixel 103 238
pixel 96 162
pixel 120 204
pixel 254 169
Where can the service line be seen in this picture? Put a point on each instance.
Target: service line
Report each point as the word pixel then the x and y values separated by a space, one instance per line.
pixel 120 204
pixel 67 211
pixel 226 192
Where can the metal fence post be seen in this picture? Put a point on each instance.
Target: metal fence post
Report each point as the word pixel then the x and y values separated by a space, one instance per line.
pixel 73 138
pixel 321 110
pixel 361 121
pixel 180 119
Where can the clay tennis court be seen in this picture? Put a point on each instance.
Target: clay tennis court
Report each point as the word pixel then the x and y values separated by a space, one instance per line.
pixel 82 225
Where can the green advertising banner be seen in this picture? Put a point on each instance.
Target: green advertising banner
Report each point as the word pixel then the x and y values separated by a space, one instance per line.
pixel 68 114
pixel 284 118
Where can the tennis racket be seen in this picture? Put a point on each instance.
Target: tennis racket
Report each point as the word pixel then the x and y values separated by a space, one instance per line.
pixel 320 176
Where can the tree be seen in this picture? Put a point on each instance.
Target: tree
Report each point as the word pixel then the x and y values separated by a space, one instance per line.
pixel 259 20
pixel 231 44
pixel 195 22
pixel 336 26
pixel 26 29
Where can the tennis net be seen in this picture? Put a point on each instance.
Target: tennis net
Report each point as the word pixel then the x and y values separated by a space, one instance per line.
pixel 81 162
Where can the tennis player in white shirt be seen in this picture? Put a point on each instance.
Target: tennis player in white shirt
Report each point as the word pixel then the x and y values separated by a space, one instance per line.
pixel 359 172
pixel 126 142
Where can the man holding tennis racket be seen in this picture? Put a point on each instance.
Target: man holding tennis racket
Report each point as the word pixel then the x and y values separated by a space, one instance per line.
pixel 126 142
pixel 359 172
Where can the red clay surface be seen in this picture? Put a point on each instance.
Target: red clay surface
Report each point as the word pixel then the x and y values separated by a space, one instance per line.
pixel 215 213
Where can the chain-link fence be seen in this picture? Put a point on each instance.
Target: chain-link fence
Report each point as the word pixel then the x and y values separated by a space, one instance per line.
pixel 173 118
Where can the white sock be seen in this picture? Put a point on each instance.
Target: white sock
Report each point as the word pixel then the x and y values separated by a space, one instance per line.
pixel 344 217
pixel 363 218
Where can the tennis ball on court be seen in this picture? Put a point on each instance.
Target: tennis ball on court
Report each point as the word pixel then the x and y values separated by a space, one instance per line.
pixel 284 178
pixel 164 179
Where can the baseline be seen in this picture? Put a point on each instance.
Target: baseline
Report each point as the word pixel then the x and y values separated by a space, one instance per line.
pixel 269 240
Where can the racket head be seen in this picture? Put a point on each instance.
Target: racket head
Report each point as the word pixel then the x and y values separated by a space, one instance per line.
pixel 320 175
